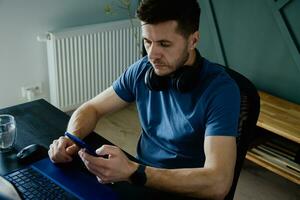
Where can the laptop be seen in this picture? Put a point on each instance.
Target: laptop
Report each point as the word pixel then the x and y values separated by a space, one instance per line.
pixel 65 181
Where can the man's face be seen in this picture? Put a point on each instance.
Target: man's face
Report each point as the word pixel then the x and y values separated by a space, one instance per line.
pixel 167 49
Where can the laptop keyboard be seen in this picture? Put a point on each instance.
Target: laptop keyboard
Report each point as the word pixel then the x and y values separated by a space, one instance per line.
pixel 33 185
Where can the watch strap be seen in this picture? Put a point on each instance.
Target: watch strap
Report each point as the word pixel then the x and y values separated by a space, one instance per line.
pixel 139 176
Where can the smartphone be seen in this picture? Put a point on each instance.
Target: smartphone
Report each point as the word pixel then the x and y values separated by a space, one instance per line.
pixel 81 144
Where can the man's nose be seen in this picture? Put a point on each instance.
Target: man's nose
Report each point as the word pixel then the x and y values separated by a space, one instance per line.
pixel 154 52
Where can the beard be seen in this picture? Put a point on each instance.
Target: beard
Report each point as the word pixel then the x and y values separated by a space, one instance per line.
pixel 175 65
pixel 182 59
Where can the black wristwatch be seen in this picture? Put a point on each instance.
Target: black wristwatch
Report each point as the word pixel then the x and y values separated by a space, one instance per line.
pixel 139 176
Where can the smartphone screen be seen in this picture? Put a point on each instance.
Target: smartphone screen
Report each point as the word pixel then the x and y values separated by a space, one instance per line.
pixel 81 144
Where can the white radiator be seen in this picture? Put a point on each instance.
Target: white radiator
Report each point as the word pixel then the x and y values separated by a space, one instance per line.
pixel 83 61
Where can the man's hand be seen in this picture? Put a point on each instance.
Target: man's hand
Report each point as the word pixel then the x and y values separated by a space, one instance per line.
pixel 117 167
pixel 62 150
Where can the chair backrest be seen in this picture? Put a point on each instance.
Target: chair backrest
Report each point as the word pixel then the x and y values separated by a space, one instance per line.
pixel 249 111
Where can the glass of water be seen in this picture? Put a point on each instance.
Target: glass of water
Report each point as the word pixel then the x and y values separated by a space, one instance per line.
pixel 7 132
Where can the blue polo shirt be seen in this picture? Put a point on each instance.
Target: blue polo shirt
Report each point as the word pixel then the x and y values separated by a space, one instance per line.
pixel 175 124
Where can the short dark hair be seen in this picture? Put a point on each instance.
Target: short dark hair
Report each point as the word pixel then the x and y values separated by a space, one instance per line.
pixel 185 12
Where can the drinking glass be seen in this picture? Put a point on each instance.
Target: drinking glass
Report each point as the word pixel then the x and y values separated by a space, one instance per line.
pixel 7 132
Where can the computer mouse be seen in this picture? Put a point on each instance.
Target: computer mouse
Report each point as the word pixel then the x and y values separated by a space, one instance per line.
pixel 32 153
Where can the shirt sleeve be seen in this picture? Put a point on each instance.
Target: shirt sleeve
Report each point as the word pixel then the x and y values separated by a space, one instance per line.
pixel 125 85
pixel 223 111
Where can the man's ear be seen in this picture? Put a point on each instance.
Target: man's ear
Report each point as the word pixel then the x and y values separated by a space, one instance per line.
pixel 194 38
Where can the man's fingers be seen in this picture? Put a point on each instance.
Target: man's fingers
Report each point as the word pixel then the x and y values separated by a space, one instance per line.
pixel 62 142
pixel 99 179
pixel 92 161
pixel 91 164
pixel 86 156
pixel 107 150
pixel 57 151
pixel 72 149
pixel 59 157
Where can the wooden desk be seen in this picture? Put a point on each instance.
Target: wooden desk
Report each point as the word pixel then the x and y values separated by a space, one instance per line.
pixel 281 118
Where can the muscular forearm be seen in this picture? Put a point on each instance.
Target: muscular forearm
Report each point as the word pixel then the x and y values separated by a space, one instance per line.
pixel 83 120
pixel 201 182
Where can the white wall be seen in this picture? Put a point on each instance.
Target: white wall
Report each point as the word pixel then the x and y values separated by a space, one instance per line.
pixel 23 60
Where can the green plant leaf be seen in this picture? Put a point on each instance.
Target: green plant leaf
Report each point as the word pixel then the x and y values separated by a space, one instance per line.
pixel 107 9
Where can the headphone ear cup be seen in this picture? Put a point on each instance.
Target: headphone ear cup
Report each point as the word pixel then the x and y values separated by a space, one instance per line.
pixel 155 82
pixel 186 77
pixel 148 78
pixel 184 80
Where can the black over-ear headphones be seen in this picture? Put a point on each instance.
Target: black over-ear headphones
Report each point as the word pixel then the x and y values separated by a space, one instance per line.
pixel 183 80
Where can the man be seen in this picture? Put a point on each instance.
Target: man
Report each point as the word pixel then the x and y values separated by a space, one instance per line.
pixel 188 109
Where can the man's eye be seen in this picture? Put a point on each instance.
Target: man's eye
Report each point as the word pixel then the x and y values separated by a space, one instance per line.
pixel 164 44
pixel 147 42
